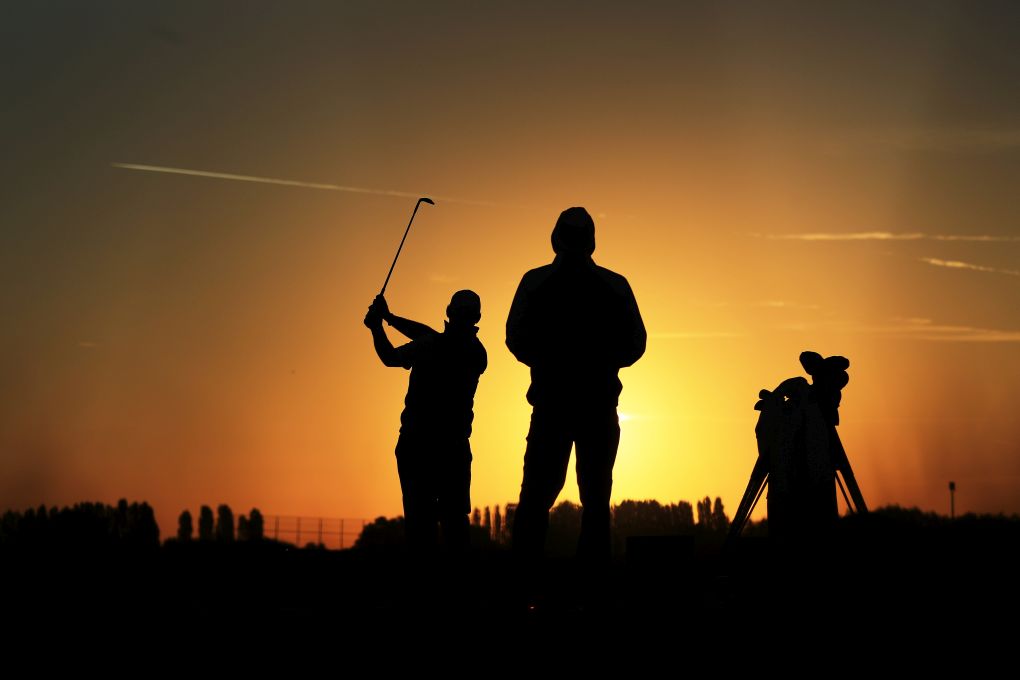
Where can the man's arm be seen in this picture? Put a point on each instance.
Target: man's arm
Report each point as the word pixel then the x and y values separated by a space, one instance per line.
pixel 413 330
pixel 627 329
pixel 518 333
pixel 638 336
pixel 526 334
pixel 383 347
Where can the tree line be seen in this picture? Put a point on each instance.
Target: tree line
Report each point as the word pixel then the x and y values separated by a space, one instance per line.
pixel 83 526
pixel 97 526
pixel 494 526
pixel 221 529
pixel 92 527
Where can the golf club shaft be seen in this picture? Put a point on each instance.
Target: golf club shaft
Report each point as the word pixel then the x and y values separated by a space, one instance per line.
pixel 401 246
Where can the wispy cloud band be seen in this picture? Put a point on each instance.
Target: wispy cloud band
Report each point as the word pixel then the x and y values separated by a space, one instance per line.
pixel 914 328
pixel 766 304
pixel 891 236
pixel 696 335
pixel 924 329
pixel 956 264
pixel 944 139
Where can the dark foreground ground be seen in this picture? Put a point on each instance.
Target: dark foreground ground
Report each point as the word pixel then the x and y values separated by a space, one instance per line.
pixel 888 581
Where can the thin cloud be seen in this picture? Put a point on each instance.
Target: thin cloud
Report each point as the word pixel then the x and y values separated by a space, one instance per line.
pixel 916 328
pixel 911 328
pixel 295 183
pixel 957 139
pixel 442 278
pixel 768 304
pixel 87 344
pixel 956 264
pixel 924 329
pixel 712 304
pixel 785 304
pixel 890 236
pixel 929 139
pixel 695 335
pixel 981 238
pixel 847 236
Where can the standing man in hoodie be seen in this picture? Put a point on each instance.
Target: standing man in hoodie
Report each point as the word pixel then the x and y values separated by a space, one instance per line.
pixel 575 324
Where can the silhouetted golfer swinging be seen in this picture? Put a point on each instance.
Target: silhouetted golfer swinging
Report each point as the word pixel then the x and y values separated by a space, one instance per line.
pixel 433 450
pixel 576 325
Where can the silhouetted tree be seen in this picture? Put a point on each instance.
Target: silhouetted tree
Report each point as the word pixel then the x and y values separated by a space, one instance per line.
pixel 205 523
pixel 382 533
pixel 705 513
pixel 242 528
pixel 184 527
pixel 564 528
pixel 476 517
pixel 652 518
pixel 487 522
pixel 9 526
pixel 510 510
pixel 85 527
pixel 142 525
pixel 720 522
pixel 224 524
pixel 256 525
pixel 120 518
pixel 685 514
pixel 497 526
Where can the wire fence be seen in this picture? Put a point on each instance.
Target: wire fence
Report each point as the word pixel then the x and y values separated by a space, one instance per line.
pixel 328 532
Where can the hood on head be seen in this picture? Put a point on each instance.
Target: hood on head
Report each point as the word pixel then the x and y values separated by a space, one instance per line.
pixel 574 234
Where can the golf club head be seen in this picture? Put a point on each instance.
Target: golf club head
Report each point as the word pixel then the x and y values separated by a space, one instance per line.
pixel 426 200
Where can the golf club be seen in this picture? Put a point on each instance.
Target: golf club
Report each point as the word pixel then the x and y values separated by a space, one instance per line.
pixel 399 248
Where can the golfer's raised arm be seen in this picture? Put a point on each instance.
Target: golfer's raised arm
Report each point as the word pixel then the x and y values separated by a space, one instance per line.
pixel 411 329
pixel 383 347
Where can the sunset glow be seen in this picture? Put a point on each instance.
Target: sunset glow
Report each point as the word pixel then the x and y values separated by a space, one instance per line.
pixel 769 178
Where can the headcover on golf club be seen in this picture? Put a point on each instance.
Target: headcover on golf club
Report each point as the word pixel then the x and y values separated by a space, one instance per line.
pixel 828 377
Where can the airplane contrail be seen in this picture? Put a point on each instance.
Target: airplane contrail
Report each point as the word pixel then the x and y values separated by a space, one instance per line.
pixel 295 183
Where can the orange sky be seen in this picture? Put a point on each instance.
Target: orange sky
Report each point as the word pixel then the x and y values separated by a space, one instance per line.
pixel 770 179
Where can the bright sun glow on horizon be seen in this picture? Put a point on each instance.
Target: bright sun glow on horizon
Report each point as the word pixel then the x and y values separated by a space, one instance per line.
pixel 188 330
